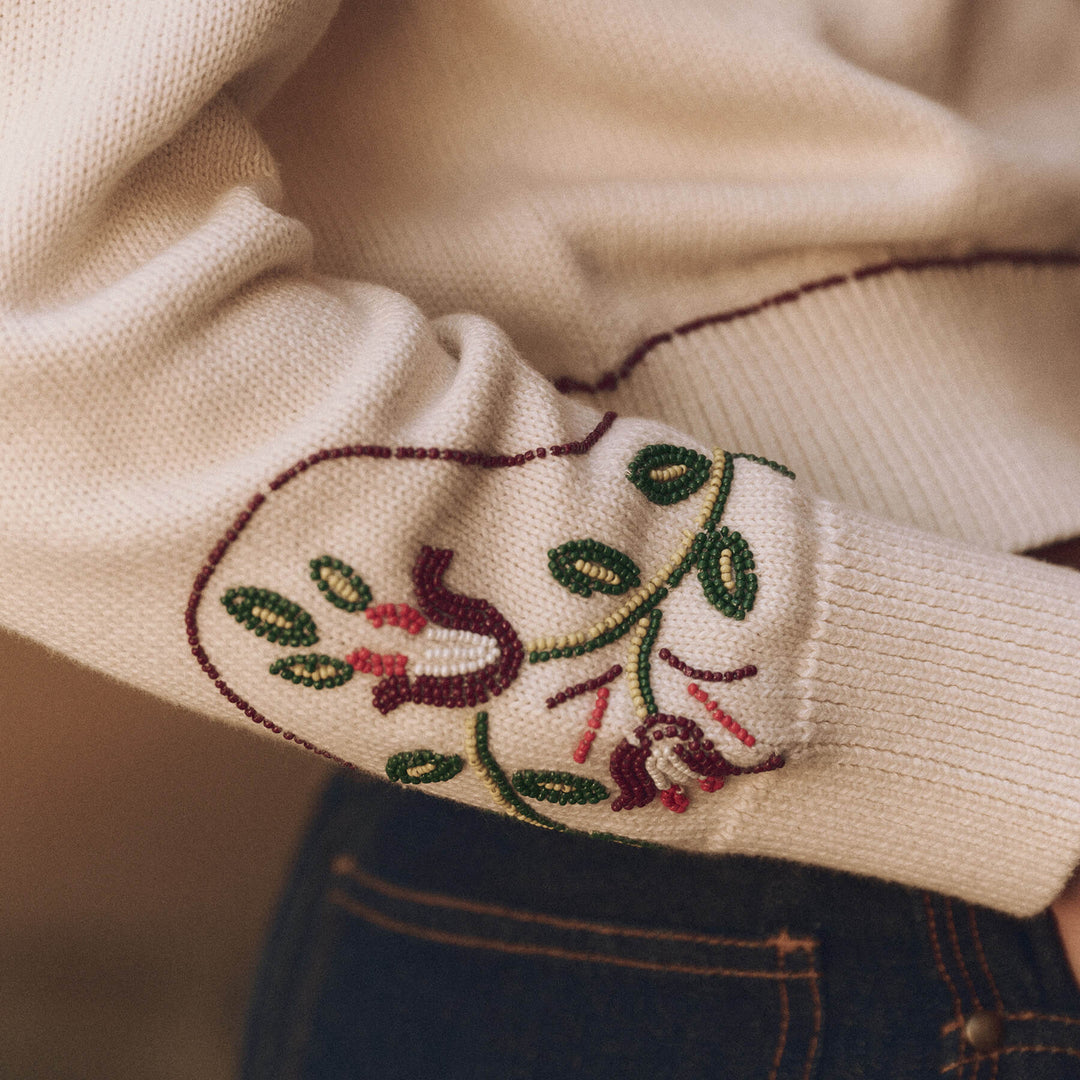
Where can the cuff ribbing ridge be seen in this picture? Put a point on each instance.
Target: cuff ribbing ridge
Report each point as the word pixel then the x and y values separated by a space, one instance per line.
pixel 941 704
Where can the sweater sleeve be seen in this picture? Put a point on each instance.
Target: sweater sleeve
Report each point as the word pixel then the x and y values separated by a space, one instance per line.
pixel 294 501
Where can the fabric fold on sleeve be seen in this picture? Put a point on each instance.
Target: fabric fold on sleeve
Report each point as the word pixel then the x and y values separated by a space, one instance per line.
pixel 296 502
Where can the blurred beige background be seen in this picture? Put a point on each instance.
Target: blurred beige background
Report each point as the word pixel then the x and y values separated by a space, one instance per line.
pixel 142 849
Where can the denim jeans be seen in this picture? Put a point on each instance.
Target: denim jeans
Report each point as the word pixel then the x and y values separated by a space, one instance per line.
pixel 422 939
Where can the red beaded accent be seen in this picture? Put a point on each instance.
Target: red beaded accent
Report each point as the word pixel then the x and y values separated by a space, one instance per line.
pixel 369 663
pixel 402 615
pixel 675 799
pixel 718 714
pixel 609 380
pixel 707 676
pixel 594 721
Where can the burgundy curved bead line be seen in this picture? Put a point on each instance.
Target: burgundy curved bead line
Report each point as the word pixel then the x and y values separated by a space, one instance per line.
pixel 217 553
pixel 474 458
pixel 570 692
pixel 454 612
pixel 192 625
pixel 609 380
pixel 707 676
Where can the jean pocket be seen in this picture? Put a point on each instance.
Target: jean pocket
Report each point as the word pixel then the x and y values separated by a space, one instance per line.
pixel 413 983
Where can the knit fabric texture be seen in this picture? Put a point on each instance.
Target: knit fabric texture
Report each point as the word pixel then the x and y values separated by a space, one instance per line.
pixel 257 462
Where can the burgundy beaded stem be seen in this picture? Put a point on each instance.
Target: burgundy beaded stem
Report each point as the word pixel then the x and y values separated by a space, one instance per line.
pixel 206 571
pixel 570 692
pixel 609 380
pixel 707 676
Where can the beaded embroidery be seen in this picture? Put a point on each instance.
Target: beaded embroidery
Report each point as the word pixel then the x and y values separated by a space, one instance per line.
pixel 667 474
pixel 483 761
pixel 464 651
pixel 269 614
pixel 339 584
pixel 707 676
pixel 469 655
pixel 585 565
pixel 558 787
pixel 671 753
pixel 584 687
pixel 593 726
pixel 313 670
pixel 423 767
pixel 725 573
pixel 669 749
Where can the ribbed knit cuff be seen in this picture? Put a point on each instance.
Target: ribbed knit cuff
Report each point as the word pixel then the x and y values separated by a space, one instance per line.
pixel 942 701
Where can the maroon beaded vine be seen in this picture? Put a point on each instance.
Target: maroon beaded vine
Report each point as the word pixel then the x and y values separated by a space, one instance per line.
pixel 707 676
pixel 192 625
pixel 610 675
pixel 206 571
pixel 474 458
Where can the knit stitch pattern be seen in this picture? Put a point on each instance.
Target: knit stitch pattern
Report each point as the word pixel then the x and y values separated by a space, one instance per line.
pixel 232 237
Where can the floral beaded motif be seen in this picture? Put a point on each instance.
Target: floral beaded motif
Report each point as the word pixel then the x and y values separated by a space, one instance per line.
pixel 451 650
pixel 667 751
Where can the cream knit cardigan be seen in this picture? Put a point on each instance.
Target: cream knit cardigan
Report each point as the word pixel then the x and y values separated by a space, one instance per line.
pixel 240 415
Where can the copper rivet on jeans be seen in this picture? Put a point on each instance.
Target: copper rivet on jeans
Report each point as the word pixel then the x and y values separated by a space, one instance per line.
pixel 984 1031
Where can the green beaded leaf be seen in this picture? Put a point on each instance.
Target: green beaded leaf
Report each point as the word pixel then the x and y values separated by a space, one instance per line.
pixel 268 614
pixel 725 570
pixel 667 474
pixel 423 767
pixel 311 669
pixel 338 583
pixel 583 566
pixel 558 787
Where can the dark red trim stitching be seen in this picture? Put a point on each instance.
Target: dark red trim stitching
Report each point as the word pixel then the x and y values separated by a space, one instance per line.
pixel 438 453
pixel 217 553
pixel 609 380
